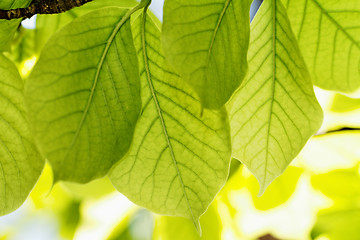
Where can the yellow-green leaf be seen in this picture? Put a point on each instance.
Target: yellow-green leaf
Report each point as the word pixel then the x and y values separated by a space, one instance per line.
pixel 8 28
pixel 47 25
pixel 83 95
pixel 179 159
pixel 168 227
pixel 278 192
pixel 343 104
pixel 328 33
pixel 20 162
pixel 275 111
pixel 206 41
pixel 342 185
pixel 338 225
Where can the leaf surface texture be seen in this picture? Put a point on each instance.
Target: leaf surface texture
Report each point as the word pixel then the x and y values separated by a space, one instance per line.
pixel 8 28
pixel 275 111
pixel 20 162
pixel 206 41
pixel 178 160
pixel 328 33
pixel 48 24
pixel 83 95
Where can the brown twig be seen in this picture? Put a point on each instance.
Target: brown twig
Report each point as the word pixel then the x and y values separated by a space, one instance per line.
pixel 342 129
pixel 42 7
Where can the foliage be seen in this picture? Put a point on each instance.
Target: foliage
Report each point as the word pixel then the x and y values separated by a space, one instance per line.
pixel 343 218
pixel 161 109
pixel 21 163
pixel 276 102
pixel 328 35
pixel 102 110
pixel 206 43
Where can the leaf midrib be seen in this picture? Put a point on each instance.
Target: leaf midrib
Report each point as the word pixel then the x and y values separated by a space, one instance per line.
pixel 159 111
pixel 272 92
pixel 221 17
pixel 97 75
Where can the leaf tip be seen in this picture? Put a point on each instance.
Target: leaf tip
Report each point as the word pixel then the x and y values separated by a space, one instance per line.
pixel 56 179
pixel 197 226
pixel 263 186
pixel 261 191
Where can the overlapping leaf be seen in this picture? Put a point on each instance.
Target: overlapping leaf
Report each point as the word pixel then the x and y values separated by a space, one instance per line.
pixel 337 224
pixel 343 104
pixel 279 191
pixel 206 41
pixel 47 25
pixel 20 162
pixel 8 28
pixel 343 217
pixel 179 159
pixel 24 48
pixel 168 227
pixel 275 111
pixel 83 95
pixel 328 33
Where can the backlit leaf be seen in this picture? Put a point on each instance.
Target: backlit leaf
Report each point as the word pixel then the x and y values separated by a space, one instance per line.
pixel 278 192
pixel 343 104
pixel 8 28
pixel 328 33
pixel 20 162
pixel 179 159
pixel 341 185
pixel 24 47
pixel 168 227
pixel 83 95
pixel 137 225
pixel 338 225
pixel 275 111
pixel 206 41
pixel 47 25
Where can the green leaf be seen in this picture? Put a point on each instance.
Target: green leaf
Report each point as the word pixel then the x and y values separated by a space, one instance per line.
pixel 206 41
pixel 343 218
pixel 47 25
pixel 342 104
pixel 8 28
pixel 92 190
pixel 341 185
pixel 24 47
pixel 20 162
pixel 179 159
pixel 328 33
pixel 69 219
pixel 338 225
pixel 83 95
pixel 137 225
pixel 278 192
pixel 168 227
pixel 275 111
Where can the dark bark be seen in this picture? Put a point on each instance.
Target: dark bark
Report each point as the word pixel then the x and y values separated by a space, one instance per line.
pixel 342 129
pixel 42 7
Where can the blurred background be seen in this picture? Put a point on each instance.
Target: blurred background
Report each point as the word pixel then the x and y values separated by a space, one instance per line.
pixel 317 197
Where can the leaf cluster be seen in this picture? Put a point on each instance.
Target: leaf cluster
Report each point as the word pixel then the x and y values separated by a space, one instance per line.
pixel 162 108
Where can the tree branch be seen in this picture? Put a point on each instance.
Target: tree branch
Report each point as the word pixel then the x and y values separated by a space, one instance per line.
pixel 42 7
pixel 343 129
